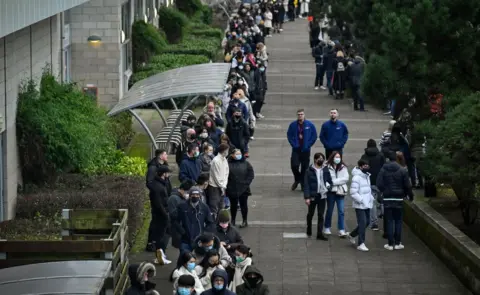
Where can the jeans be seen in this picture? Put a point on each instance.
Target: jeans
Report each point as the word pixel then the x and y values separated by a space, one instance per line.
pixel 374 215
pixel 320 72
pixel 299 162
pixel 234 201
pixel 332 199
pixel 329 81
pixel 393 220
pixel 357 98
pixel 363 220
pixel 319 204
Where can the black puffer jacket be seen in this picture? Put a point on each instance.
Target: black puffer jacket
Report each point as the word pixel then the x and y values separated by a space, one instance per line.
pixel 231 237
pixel 376 160
pixel 394 183
pixel 258 289
pixel 240 177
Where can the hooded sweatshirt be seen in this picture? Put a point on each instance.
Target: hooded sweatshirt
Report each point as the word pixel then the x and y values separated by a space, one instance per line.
pixel 375 159
pixel 224 291
pixel 252 288
pixel 138 286
pixel 240 268
pixel 360 190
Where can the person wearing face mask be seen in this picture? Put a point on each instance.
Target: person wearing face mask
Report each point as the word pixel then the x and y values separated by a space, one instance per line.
pixel 214 112
pixel 217 183
pixel 242 261
pixel 190 138
pixel 204 137
pixel 317 182
pixel 186 268
pixel 260 89
pixel 234 104
pixel 187 285
pixel 361 193
pixel 336 194
pixel 207 242
pixel 251 116
pixel 219 283
pixel 238 131
pixel 140 275
pixel 261 53
pixel 238 188
pixel 206 157
pixel 227 233
pixel 191 166
pixel 207 266
pixel 253 283
pixel 157 232
pixel 178 197
pixel 193 218
pixel 334 134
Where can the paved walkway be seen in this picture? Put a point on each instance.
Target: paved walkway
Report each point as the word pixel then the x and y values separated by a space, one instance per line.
pixel 296 266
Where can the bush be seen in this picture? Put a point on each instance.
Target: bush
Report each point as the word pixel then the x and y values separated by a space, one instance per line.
pixel 121 128
pixel 146 42
pixel 189 7
pixel 35 229
pixel 173 23
pixel 165 62
pixel 209 33
pixel 204 15
pixel 59 129
pixel 74 191
pixel 196 45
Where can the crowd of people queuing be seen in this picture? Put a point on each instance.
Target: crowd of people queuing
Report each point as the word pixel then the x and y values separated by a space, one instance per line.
pixel 380 182
pixel 200 216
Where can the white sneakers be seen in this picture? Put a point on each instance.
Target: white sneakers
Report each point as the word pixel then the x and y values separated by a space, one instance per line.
pixel 342 233
pixel 323 87
pixel 351 239
pixel 316 87
pixel 327 231
pixel 396 247
pixel 362 248
pixel 388 247
pixel 161 258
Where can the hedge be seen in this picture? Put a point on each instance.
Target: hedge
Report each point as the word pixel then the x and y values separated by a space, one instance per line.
pixel 197 46
pixel 189 7
pixel 209 33
pixel 147 41
pixel 173 23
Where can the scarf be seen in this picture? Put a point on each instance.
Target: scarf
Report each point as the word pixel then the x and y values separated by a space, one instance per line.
pixel 238 276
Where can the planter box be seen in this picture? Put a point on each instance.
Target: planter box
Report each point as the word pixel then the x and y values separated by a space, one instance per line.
pixel 86 235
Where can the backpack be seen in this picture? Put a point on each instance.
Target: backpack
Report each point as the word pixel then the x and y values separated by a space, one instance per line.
pixel 340 67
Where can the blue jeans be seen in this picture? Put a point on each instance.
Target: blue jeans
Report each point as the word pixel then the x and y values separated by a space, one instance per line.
pixel 394 218
pixel 333 198
pixel 319 73
pixel 363 220
pixel 329 82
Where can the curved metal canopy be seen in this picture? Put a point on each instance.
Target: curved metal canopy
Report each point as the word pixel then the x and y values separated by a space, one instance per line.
pixel 203 79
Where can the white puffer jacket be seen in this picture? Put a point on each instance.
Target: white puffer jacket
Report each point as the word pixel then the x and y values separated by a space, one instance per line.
pixel 339 179
pixel 360 190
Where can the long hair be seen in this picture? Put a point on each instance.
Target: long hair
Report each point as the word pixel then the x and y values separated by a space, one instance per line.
pixel 331 163
pixel 400 158
pixel 205 264
pixel 184 258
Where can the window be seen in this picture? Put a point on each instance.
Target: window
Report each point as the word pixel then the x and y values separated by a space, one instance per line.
pixel 139 10
pixel 66 47
pixel 126 20
pixel 1 178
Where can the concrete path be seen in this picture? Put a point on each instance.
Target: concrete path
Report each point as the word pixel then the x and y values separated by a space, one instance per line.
pixel 297 266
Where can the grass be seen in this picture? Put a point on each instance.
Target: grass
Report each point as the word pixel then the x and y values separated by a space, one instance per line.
pixel 140 146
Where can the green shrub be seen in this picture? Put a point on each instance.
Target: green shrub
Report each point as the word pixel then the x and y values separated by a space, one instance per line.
pixel 204 15
pixel 59 129
pixel 188 7
pixel 209 33
pixel 173 23
pixel 35 229
pixel 146 42
pixel 121 128
pixel 74 191
pixel 196 45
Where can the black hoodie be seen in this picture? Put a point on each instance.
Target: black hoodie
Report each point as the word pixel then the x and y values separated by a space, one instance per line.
pixel 137 285
pixel 224 291
pixel 376 160
pixel 258 289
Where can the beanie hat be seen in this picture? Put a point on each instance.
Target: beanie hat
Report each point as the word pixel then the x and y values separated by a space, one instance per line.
pixel 224 216
pixel 186 281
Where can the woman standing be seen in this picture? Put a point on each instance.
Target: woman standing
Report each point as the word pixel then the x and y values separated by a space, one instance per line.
pixel 238 188
pixel 339 173
pixel 268 22
pixel 361 193
pixel 205 269
pixel 206 157
pixel 317 178
pixel 242 261
pixel 187 266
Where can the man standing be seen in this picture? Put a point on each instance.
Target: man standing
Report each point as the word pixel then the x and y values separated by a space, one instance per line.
pixel 191 166
pixel 334 134
pixel 301 135
pixel 215 113
pixel 217 184
pixel 160 159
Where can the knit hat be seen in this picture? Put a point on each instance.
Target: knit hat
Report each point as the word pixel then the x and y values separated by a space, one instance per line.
pixel 186 281
pixel 224 216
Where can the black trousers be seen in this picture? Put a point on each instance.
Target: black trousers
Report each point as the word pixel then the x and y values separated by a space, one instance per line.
pixel 158 231
pixel 243 200
pixel 299 162
pixel 215 200
pixel 319 204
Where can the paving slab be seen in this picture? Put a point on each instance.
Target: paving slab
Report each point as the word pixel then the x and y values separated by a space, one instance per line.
pixel 291 263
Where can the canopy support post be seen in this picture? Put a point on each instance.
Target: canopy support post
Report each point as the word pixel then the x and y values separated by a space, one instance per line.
pixel 160 113
pixel 188 103
pixel 174 103
pixel 145 127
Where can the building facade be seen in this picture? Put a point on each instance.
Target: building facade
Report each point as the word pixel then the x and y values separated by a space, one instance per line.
pixel 35 34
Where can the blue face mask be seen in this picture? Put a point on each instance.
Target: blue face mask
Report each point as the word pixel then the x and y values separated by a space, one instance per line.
pixel 218 287
pixel 208 247
pixel 262 69
pixel 183 291
pixel 238 157
pixel 191 266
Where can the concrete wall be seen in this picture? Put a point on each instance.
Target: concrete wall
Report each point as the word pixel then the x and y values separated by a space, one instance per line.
pixel 453 247
pixel 23 55
pixel 99 65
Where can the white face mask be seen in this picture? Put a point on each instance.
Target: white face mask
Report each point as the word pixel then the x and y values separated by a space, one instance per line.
pixel 240 67
pixel 240 82
pixel 186 196
pixel 203 135
pixel 337 161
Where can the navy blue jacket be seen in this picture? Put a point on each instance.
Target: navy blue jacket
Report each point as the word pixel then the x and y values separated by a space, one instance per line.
pixel 334 135
pixel 310 184
pixel 193 221
pixel 213 291
pixel 309 135
pixel 190 168
pixel 231 107
pixel 328 58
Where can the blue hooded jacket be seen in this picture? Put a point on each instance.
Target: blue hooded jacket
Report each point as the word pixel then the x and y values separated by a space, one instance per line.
pixel 191 221
pixel 190 168
pixel 213 291
pixel 334 135
pixel 309 135
pixel 231 107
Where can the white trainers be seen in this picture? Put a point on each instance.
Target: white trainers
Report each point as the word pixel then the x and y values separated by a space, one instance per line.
pixel 327 231
pixel 161 258
pixel 323 87
pixel 351 239
pixel 399 247
pixel 316 87
pixel 252 138
pixel 388 247
pixel 342 233
pixel 260 116
pixel 363 248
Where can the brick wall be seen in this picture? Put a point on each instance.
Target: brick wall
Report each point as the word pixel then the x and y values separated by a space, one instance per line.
pixel 25 54
pixel 99 65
